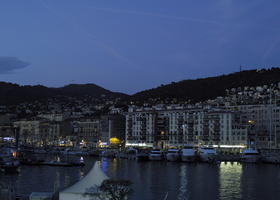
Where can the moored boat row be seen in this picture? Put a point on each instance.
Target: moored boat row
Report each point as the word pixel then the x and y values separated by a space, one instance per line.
pixel 206 154
pixel 187 154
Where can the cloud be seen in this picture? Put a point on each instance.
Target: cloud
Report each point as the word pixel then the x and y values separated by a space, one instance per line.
pixel 9 64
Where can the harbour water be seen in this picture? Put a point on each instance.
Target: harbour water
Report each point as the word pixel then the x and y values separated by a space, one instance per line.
pixel 153 180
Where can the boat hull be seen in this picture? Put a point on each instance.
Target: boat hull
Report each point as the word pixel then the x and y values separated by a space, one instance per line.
pixel 142 158
pixel 250 159
pixel 271 159
pixel 172 157
pixel 188 158
pixel 155 158
pixel 207 158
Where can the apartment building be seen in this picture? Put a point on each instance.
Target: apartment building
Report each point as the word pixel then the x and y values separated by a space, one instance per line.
pixel 112 126
pixel 87 131
pixel 264 123
pixel 38 132
pixel 175 127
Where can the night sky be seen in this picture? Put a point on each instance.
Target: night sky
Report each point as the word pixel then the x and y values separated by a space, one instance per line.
pixel 128 46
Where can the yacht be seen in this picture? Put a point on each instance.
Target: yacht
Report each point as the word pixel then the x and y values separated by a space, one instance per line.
pixel 173 155
pixel 250 156
pixel 207 154
pixel 156 154
pixel 188 154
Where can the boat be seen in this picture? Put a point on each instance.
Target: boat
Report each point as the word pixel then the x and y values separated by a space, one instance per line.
pixel 80 162
pixel 156 154
pixel 207 154
pixel 173 155
pixel 270 156
pixel 271 159
pixel 131 153
pixel 188 154
pixel 8 160
pixel 69 151
pixel 58 163
pixel 250 155
pixel 8 164
pixel 142 155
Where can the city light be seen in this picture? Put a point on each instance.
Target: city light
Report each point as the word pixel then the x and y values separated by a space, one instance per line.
pixel 114 141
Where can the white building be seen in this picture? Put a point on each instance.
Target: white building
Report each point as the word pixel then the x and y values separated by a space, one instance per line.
pixel 166 127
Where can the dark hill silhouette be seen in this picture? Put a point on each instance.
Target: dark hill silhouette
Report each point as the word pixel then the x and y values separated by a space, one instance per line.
pixel 193 90
pixel 209 88
pixel 14 93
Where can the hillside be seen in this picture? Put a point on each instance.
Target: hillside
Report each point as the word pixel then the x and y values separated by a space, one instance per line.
pixel 193 90
pixel 14 93
pixel 209 88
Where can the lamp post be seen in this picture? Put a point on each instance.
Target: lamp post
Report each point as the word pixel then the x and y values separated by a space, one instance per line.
pixel 16 132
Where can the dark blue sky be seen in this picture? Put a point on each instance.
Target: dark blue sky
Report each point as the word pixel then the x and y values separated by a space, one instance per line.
pixel 128 46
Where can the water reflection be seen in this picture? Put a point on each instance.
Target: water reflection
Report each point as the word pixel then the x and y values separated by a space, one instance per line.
pixel 260 182
pixel 205 182
pixel 152 180
pixel 230 181
pixel 183 195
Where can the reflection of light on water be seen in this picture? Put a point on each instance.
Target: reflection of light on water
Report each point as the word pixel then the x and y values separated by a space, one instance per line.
pixel 67 180
pixel 81 174
pixel 183 184
pixel 56 181
pixel 230 181
pixel 104 164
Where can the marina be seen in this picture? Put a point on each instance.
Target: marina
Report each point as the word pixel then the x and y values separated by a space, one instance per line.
pixel 140 100
pixel 152 180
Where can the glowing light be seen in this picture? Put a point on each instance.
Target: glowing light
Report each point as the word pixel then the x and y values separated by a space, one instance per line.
pixel 139 144
pixel 230 146
pixel 251 121
pixel 8 138
pixel 114 141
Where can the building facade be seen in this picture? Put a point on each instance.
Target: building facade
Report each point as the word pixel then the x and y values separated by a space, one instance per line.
pixel 175 127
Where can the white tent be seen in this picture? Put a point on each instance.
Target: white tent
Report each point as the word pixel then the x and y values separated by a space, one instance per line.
pixel 77 191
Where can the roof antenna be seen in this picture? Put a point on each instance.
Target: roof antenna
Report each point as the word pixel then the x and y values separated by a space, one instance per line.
pixel 240 76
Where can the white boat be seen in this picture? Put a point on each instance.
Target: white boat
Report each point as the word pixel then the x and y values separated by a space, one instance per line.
pixel 188 154
pixel 173 155
pixel 207 154
pixel 250 156
pixel 156 154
